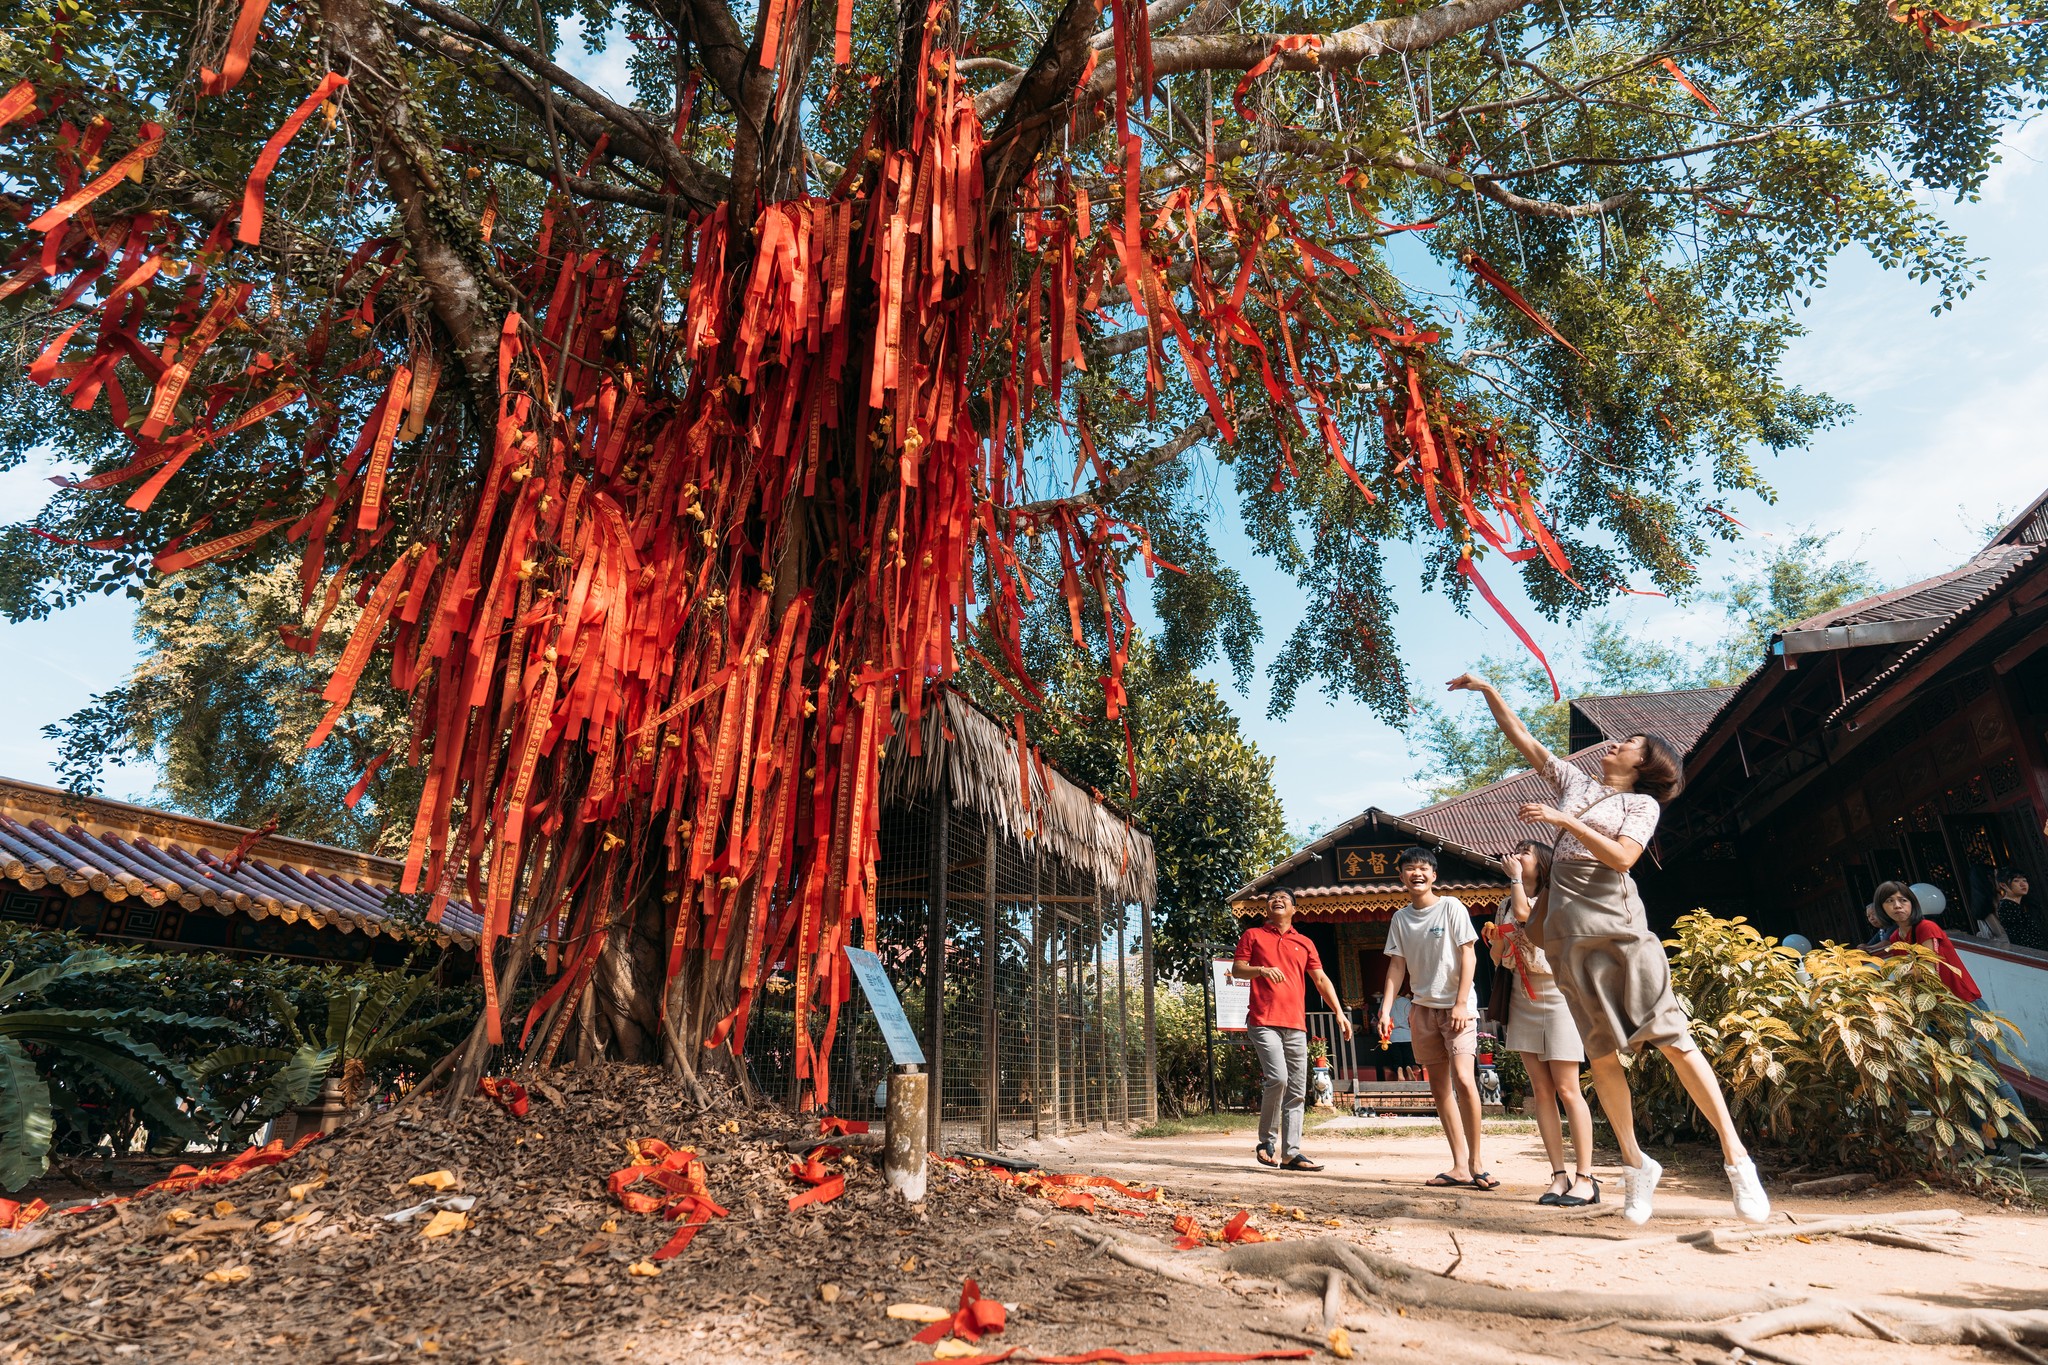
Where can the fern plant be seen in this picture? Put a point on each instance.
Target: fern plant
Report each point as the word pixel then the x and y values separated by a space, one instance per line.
pixel 1843 1057
pixel 37 1037
pixel 367 1033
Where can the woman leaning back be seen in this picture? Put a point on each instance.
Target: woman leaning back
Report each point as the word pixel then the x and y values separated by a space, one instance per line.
pixel 1540 1028
pixel 1610 968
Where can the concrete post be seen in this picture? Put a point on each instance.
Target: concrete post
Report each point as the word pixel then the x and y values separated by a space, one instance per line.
pixel 907 1126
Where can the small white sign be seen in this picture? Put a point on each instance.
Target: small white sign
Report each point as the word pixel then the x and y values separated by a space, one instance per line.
pixel 1233 997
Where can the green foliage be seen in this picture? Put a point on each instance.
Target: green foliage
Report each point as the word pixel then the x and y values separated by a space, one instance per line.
pixel 1796 580
pixel 1181 1033
pixel 223 709
pixel 33 1033
pixel 112 1045
pixel 1840 1057
pixel 1672 245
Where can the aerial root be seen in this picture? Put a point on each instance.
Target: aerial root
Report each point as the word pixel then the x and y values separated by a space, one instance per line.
pixel 1325 1267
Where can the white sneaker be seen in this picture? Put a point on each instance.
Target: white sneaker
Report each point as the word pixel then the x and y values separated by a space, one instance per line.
pixel 1639 1189
pixel 1751 1203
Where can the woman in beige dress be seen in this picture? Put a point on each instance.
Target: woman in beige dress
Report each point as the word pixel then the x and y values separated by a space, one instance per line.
pixel 1540 1028
pixel 1610 968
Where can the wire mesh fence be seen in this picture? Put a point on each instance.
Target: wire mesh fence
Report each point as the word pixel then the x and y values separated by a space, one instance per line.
pixel 1043 1025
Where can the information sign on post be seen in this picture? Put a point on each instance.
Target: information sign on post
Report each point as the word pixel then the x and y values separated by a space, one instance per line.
pixel 1233 997
pixel 895 1025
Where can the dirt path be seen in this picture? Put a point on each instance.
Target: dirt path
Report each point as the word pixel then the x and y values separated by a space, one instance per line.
pixel 543 1274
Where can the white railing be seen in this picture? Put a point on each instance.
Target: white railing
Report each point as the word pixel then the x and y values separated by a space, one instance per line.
pixel 2015 986
pixel 1343 1055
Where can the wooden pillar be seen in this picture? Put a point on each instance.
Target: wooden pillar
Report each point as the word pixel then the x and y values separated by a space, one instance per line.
pixel 1038 976
pixel 1060 962
pixel 1123 1016
pixel 1101 1019
pixel 1151 1032
pixel 992 1070
pixel 935 970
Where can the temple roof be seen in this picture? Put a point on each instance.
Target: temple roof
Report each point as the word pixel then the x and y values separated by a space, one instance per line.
pixel 51 837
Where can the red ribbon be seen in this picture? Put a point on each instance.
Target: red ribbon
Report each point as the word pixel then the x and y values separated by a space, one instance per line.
pixel 250 231
pixel 974 1319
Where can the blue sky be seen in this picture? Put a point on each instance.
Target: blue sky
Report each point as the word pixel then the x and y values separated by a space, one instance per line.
pixel 1948 431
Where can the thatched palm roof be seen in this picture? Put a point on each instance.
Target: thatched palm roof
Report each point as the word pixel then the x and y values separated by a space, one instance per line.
pixel 979 766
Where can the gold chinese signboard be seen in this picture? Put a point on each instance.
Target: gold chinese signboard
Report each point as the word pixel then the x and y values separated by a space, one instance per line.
pixel 1366 862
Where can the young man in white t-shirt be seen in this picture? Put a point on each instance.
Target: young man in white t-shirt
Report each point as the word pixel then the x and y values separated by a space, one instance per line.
pixel 1429 942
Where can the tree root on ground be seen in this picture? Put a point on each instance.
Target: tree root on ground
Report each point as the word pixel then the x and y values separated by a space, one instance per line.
pixel 1895 1320
pixel 1323 1267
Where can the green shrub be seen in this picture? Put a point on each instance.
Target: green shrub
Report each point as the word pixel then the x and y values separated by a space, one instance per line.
pixel 220 1033
pixel 1838 1056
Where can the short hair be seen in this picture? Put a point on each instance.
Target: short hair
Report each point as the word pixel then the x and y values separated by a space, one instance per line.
pixel 1882 896
pixel 1542 852
pixel 1279 893
pixel 1661 772
pixel 2006 876
pixel 1414 854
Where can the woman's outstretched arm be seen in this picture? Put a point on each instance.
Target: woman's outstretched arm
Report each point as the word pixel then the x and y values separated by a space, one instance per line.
pixel 1504 716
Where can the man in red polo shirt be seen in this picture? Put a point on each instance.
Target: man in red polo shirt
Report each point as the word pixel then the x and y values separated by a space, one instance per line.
pixel 1279 963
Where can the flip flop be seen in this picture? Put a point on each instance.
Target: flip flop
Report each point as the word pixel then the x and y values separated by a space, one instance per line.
pixel 1483 1180
pixel 1444 1180
pixel 1265 1155
pixel 1298 1162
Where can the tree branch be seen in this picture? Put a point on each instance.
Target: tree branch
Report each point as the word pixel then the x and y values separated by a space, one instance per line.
pixel 702 187
pixel 1106 491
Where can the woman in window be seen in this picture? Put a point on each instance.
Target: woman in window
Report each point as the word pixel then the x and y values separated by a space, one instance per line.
pixel 1610 967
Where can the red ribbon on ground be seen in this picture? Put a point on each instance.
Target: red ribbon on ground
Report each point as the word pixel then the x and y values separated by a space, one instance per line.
pixel 679 1175
pixel 975 1318
pixel 510 1095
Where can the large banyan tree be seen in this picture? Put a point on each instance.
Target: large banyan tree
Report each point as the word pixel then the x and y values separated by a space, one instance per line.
pixel 673 443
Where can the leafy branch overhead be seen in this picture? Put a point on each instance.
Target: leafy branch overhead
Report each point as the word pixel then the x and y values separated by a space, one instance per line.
pixel 671 443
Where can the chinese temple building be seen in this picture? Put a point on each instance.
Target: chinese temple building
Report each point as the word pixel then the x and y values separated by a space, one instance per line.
pixel 132 874
pixel 1346 889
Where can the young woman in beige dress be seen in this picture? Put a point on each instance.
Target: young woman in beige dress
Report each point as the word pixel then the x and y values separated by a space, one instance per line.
pixel 1540 1028
pixel 1609 966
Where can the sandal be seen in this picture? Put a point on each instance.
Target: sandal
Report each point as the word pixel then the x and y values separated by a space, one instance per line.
pixel 1444 1180
pixel 1551 1198
pixel 1298 1162
pixel 1572 1201
pixel 1483 1180
pixel 1264 1153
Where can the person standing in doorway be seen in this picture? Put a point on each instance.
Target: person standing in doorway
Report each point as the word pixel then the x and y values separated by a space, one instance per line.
pixel 1279 961
pixel 1611 969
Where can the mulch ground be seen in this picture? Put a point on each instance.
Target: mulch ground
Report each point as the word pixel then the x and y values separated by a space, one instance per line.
pixel 545 1269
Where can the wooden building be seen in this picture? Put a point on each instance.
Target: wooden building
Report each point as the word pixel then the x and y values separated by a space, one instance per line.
pixel 1346 889
pixel 133 874
pixel 1897 737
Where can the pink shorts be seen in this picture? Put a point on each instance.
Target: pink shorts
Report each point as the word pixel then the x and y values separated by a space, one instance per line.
pixel 1434 1038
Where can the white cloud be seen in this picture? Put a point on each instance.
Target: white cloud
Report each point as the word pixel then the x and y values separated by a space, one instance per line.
pixel 606 70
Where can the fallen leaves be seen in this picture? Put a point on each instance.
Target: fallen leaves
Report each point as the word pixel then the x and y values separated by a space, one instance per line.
pixel 227 1274
pixel 1340 1343
pixel 444 1222
pixel 300 1191
pixel 437 1181
pixel 645 1269
pixel 828 1292
pixel 919 1312
pixel 1192 1233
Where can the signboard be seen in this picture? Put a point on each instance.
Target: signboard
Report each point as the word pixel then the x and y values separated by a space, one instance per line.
pixel 896 1030
pixel 1365 862
pixel 1233 997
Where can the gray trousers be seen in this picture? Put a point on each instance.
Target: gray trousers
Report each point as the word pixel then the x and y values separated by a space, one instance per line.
pixel 1283 1062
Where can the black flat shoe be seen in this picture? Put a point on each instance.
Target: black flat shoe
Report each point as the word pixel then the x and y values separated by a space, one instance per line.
pixel 1572 1201
pixel 1550 1198
pixel 1265 1155
pixel 1300 1163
